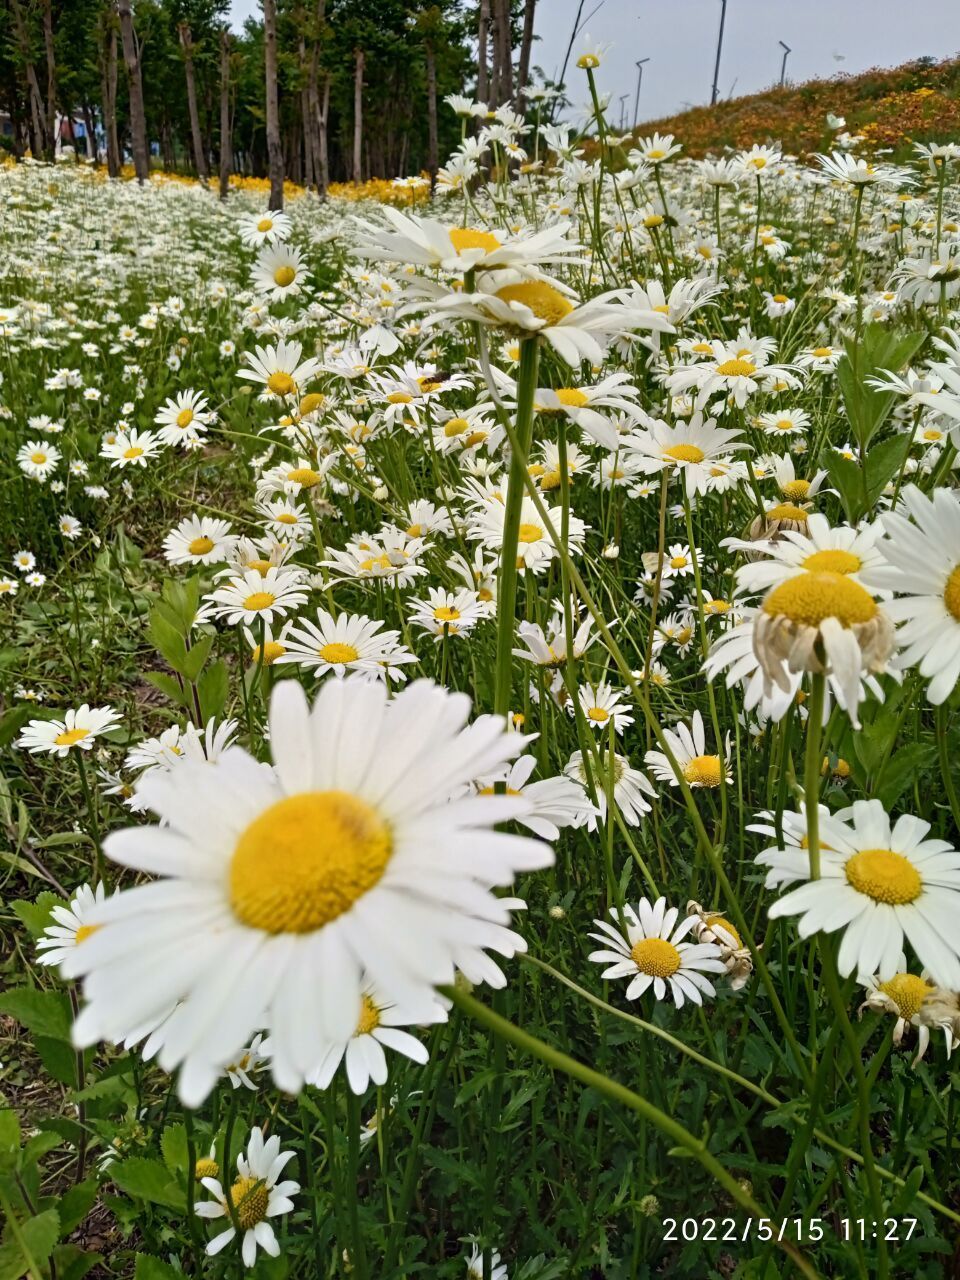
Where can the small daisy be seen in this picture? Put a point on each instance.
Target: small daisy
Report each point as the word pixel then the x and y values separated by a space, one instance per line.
pixel 446 613
pixel 915 1002
pixel 257 1194
pixel 689 748
pixel 251 1061
pixel 255 597
pixel 379 1020
pixel 630 786
pixel 654 953
pixel 279 272
pixel 69 930
pixel 199 540
pixel 498 1270
pixel 258 229
pixel 602 705
pixel 9 586
pixel 37 459
pixel 183 418
pixel 280 369
pixel 132 448
pixel 689 448
pixel 350 643
pixel 78 728
pixel 24 561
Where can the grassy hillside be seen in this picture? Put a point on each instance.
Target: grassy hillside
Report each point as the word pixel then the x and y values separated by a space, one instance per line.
pixel 916 102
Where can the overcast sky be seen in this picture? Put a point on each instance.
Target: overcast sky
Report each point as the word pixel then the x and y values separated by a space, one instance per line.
pixel 680 39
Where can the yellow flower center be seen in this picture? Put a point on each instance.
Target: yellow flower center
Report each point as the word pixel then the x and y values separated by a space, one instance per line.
pixel 833 560
pixel 684 453
pixel 272 650
pixel 653 220
pixel 720 922
pixel 546 302
pixel 530 533
pixel 908 992
pixel 306 477
pixel 70 737
pixel 184 417
pixel 200 546
pixel 281 384
pixel 780 297
pixel 655 957
pixel 598 714
pixel 285 517
pixel 467 238
pixel 375 562
pixel 284 276
pixel 205 1168
pixel 259 600
pixel 797 490
pixel 884 876
pixel 455 427
pixel 38 458
pixel 85 931
pixel 265 224
pixel 787 511
pixel 822 353
pixel 784 424
pixel 678 562
pixel 399 397
pixel 811 597
pixel 573 397
pixel 736 368
pixel 133 452
pixel 704 771
pixel 588 62
pixel 250 1199
pixel 951 593
pixel 446 613
pixel 655 153
pixel 306 860
pixel 475 438
pixel 262 567
pixel 310 403
pixel 335 652
pixel 369 1018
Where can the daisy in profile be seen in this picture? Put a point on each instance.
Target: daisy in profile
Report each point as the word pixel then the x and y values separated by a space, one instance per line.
pixel 689 448
pixel 328 864
pixel 258 229
pixel 279 271
pixel 250 1063
pixel 78 728
pixel 917 1003
pixel 392 555
pixel 69 928
pixel 70 527
pixel 257 1195
pixel 350 644
pixel 131 448
pixel 580 404
pixel 922 551
pixel 37 459
pixel 9 587
pixel 880 882
pixel 498 1270
pixel 183 418
pixel 631 787
pixel 378 1027
pixel 689 748
pixel 255 597
pixel 555 802
pixel 730 373
pixel 648 947
pixel 279 369
pixel 446 613
pixel 602 706
pixel 199 540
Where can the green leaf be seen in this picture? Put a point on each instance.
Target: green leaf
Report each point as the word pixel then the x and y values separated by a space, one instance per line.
pixel 169 688
pixel 43 1013
pixel 9 1139
pixel 147 1180
pixel 59 1059
pixel 847 478
pixel 196 657
pixel 36 915
pixel 148 1268
pixel 29 1245
pixel 213 687
pixel 173 1144
pixel 883 462
pixel 72 1262
pixel 13 721
pixel 75 1203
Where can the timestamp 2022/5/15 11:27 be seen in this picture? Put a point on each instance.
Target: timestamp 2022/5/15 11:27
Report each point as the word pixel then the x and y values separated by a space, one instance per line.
pixel 801 1230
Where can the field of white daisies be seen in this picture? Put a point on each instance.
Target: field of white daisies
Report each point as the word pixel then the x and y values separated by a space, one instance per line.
pixel 478 719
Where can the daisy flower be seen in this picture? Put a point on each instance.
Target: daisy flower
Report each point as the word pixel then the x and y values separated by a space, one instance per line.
pixel 70 527
pixel 280 369
pixel 915 1002
pixel 326 865
pixel 729 373
pixel 785 422
pixel 378 1024
pixel 879 882
pixel 351 644
pixel 689 448
pixel 580 405
pixel 255 597
pixel 498 1270
pixel 78 728
pixel 279 271
pixel 256 1195
pixel 257 229
pixel 689 748
pixel 131 448
pixel 183 418
pixel 24 561
pixel 251 1061
pixel 602 704
pixel 821 548
pixel 70 928
pixel 630 786
pixel 712 926
pixel 37 459
pixel 446 613
pixel 536 546
pixel 199 540
pixel 556 802
pixel 649 949
pixel 922 551
pixel 9 586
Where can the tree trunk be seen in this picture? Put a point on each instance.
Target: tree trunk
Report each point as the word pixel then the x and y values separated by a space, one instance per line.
pixel 226 139
pixel 307 117
pixel 138 121
pixel 526 47
pixel 109 72
pixel 40 144
pixel 274 144
pixel 88 129
pixel 199 156
pixel 483 49
pixel 358 56
pixel 503 51
pixel 317 105
pixel 323 157
pixel 51 115
pixel 433 146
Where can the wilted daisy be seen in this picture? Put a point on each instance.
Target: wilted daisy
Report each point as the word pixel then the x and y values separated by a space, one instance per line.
pixel 689 748
pixel 713 926
pixel 69 928
pixel 351 644
pixel 327 865
pixel 256 1195
pixel 78 728
pixel 199 540
pixel 879 882
pixel 916 1002
pixel 648 947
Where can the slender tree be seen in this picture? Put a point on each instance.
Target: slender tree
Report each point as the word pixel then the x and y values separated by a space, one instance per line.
pixel 226 127
pixel 274 143
pixel 526 48
pixel 199 152
pixel 138 120
pixel 108 88
pixel 359 57
pixel 483 50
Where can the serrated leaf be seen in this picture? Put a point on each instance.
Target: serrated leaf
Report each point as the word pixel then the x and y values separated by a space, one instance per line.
pixel 43 1013
pixel 72 1262
pixel 9 1139
pixel 29 1246
pixel 146 1179
pixel 148 1268
pixel 169 687
pixel 75 1203
pixel 36 915
pixel 173 1144
pixel 59 1059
